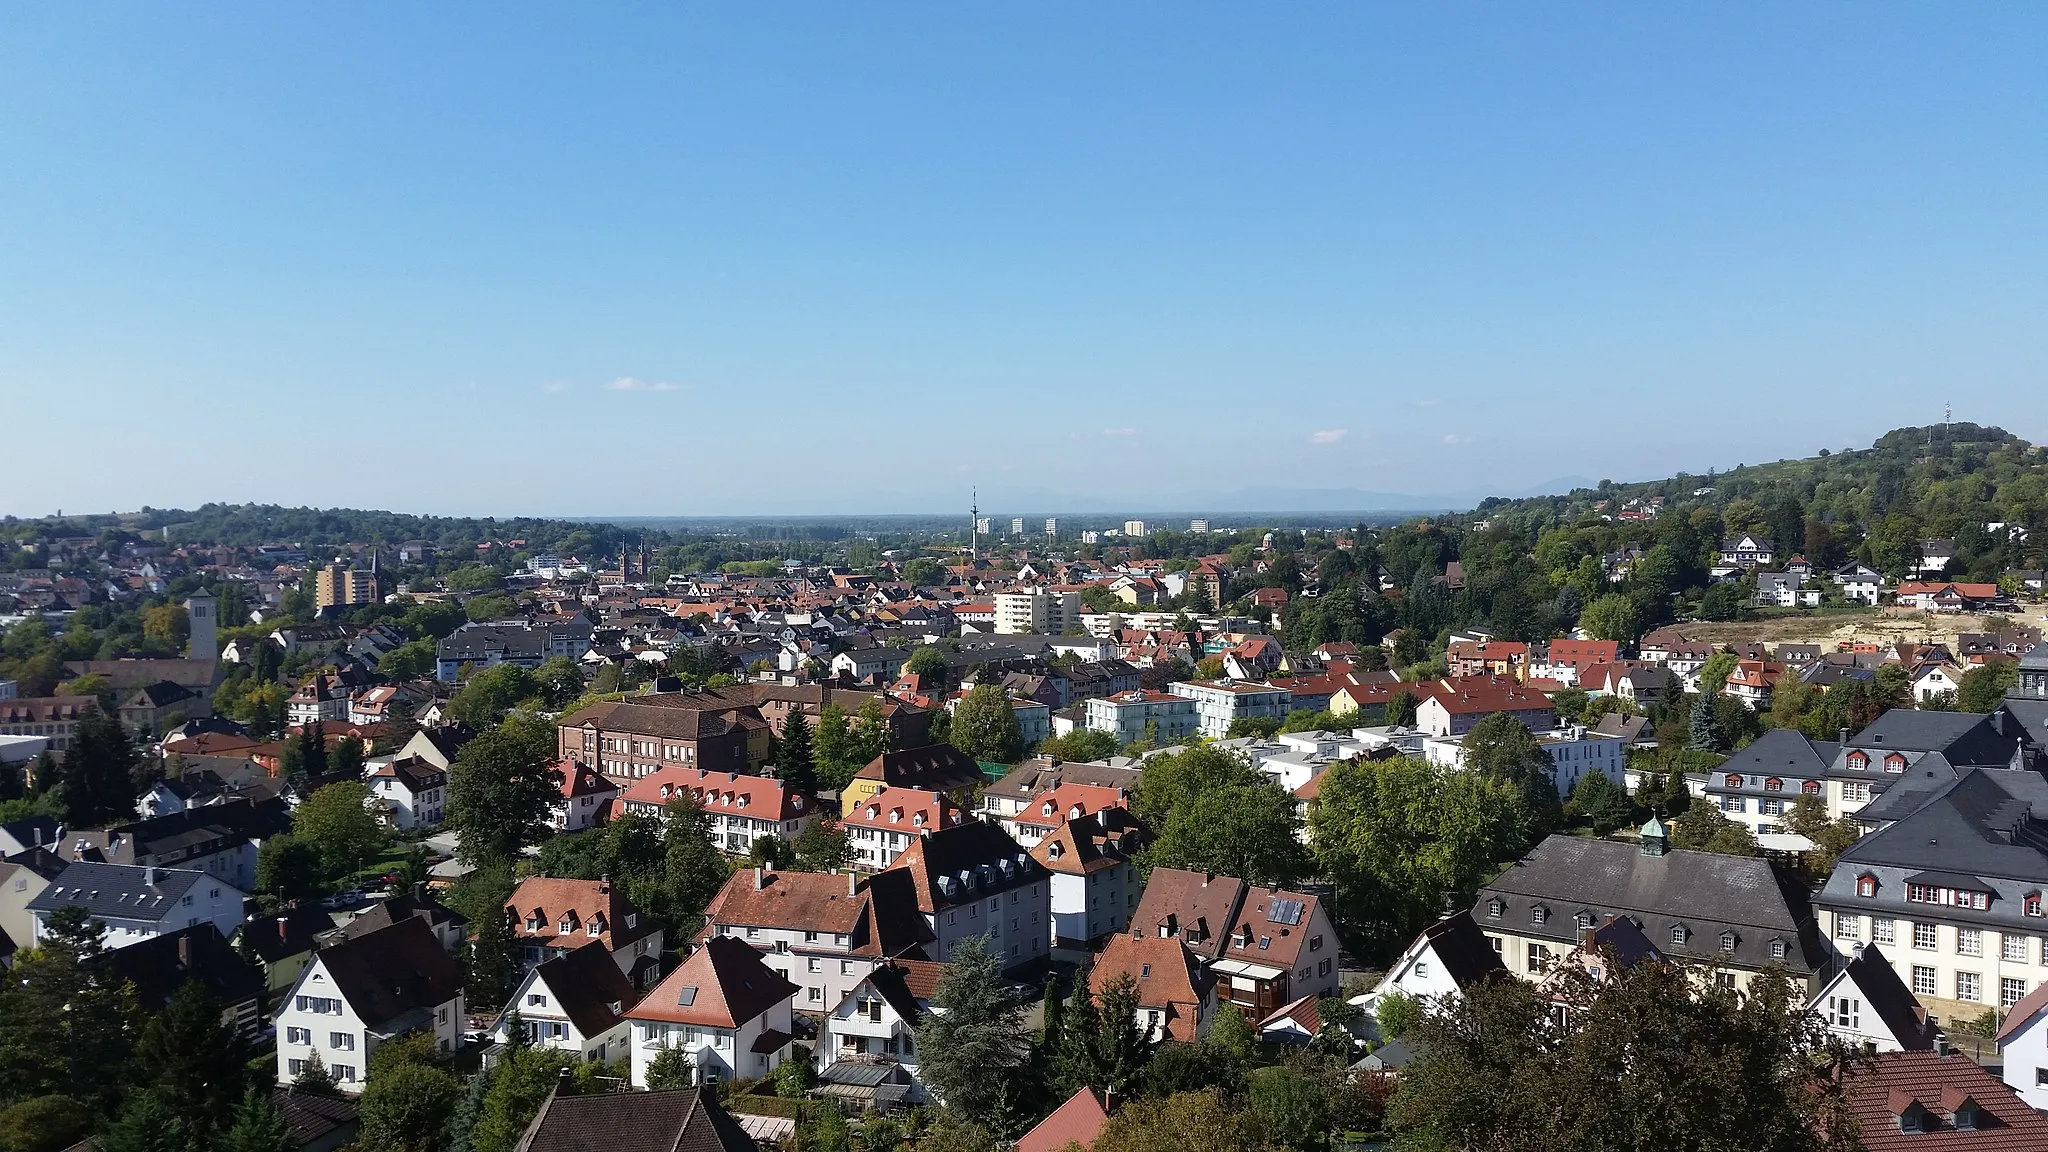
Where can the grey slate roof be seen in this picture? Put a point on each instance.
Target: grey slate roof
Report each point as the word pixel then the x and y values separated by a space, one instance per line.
pixel 118 891
pixel 1704 892
pixel 683 1120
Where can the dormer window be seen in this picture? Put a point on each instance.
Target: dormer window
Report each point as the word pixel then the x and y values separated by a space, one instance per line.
pixel 568 924
pixel 1866 885
pixel 1859 761
pixel 1538 914
pixel 1678 935
pixel 1777 949
pixel 1495 908
pixel 2031 905
pixel 1774 785
pixel 1811 788
pixel 1585 921
pixel 1734 780
pixel 1727 941
pixel 1895 763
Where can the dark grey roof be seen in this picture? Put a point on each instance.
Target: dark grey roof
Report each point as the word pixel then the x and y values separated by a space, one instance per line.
pixel 118 891
pixel 392 972
pixel 1463 950
pixel 1784 752
pixel 684 1120
pixel 1964 737
pixel 158 966
pixel 1888 998
pixel 1704 892
pixel 1975 825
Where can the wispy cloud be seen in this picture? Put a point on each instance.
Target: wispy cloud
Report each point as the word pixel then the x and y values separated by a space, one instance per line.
pixel 1119 431
pixel 1329 435
pixel 629 384
pixel 1454 438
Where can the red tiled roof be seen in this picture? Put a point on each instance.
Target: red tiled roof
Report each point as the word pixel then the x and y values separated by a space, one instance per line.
pixel 1168 977
pixel 723 984
pixel 760 797
pixel 1078 1121
pixel 1881 1087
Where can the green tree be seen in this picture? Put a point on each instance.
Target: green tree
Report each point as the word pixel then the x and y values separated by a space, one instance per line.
pixel 519 1084
pixel 1602 803
pixel 1703 732
pixel 1703 829
pixel 1501 747
pixel 488 695
pixel 1396 1014
pixel 670 1068
pixel 1080 745
pixel 822 847
pixel 1231 1032
pixel 257 1127
pixel 347 758
pixel 559 680
pixel 314 1079
pixel 696 870
pixel 975 1038
pixel 413 660
pixel 335 822
pixel 193 1062
pixel 44 1124
pixel 289 869
pixel 406 1108
pixel 98 779
pixel 1612 617
pixel 145 1124
pixel 1401 705
pixel 832 749
pixel 1121 1047
pixel 985 726
pixel 928 664
pixel 502 789
pixel 793 763
pixel 1182 1122
pixel 1983 688
pixel 490 960
pixel 65 1025
pixel 1249 831
pixel 1290 1107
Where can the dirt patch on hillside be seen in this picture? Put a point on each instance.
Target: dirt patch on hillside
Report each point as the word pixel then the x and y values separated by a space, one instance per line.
pixel 1885 626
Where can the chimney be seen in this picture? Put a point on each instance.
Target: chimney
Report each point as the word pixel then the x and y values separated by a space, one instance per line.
pixel 185 951
pixel 283 927
pixel 151 876
pixel 760 878
pixel 1842 735
pixel 419 890
pixel 852 882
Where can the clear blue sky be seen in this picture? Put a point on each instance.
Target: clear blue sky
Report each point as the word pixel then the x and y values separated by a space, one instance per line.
pixel 777 258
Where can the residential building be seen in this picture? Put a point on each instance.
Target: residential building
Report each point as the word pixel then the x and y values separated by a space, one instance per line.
pixel 1176 992
pixel 1023 784
pixel 1751 682
pixel 1732 912
pixel 360 993
pixel 725 1009
pixel 1162 717
pixel 1091 860
pixel 284 944
pixel 1928 1102
pixel 340 585
pixel 2023 1044
pixel 677 1120
pixel 1505 658
pixel 1267 947
pixel 867 1044
pixel 524 643
pixel 1220 703
pixel 553 917
pixel 1054 807
pixel 1443 961
pixel 55 717
pixel 1860 584
pixel 932 768
pixel 740 809
pixel 138 902
pixel 822 931
pixel 876 665
pixel 1455 707
pixel 1747 551
pixel 574 1003
pixel 587 798
pixel 22 879
pixel 1759 783
pixel 1870 1009
pixel 879 830
pixel 1946 596
pixel 972 880
pixel 320 698
pixel 152 708
pixel 154 969
pixel 1039 611
pixel 1953 890
pixel 408 793
pixel 450 928
pixel 1075 1123
pixel 1574 753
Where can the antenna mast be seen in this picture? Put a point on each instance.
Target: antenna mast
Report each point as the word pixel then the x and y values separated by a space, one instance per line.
pixel 974 524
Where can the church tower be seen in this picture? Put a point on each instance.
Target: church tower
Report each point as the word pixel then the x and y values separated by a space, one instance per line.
pixel 203 611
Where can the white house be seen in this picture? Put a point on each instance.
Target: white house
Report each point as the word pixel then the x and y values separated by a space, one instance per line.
pixel 1448 957
pixel 1126 716
pixel 576 1004
pixel 1860 584
pixel 1747 551
pixel 138 902
pixel 725 1009
pixel 1930 680
pixel 879 828
pixel 973 880
pixel 820 931
pixel 2023 1042
pixel 553 917
pixel 1574 753
pixel 1869 1007
pixel 408 793
pixel 742 809
pixel 587 798
pixel 1091 862
pixel 362 992
pixel 875 1027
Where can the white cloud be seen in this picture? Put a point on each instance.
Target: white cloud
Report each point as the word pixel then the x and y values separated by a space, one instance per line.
pixel 1119 431
pixel 629 384
pixel 1454 438
pixel 1329 435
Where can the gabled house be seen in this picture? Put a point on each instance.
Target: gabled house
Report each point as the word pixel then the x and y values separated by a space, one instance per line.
pixel 867 1044
pixel 723 1008
pixel 408 793
pixel 283 944
pixel 879 830
pixel 358 994
pixel 741 808
pixel 972 880
pixel 156 968
pixel 1926 1102
pixel 1266 946
pixel 1443 961
pixel 933 768
pixel 1091 862
pixel 2023 1043
pixel 822 931
pixel 1075 1123
pixel 552 917
pixel 134 903
pixel 575 1003
pixel 588 797
pixel 1868 1007
pixel 1176 992
pixel 678 1120
pixel 1860 584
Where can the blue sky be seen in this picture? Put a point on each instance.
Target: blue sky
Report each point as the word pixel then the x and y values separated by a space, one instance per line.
pixel 782 258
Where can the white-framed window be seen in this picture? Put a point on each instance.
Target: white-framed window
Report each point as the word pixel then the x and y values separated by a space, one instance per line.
pixel 1848 927
pixel 342 1041
pixel 298 1036
pixel 1844 1011
pixel 1924 936
pixel 1969 942
pixel 345 1073
pixel 2010 990
pixel 1969 986
pixel 2013 948
pixel 1923 980
pixel 1881 930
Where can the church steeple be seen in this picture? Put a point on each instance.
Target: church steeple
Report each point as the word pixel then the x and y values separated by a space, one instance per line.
pixel 1656 840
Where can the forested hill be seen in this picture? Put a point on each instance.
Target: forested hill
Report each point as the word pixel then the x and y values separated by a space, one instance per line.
pixel 252 524
pixel 1935 481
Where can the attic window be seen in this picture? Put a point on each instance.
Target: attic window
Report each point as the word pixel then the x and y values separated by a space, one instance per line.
pixel 2032 904
pixel 1734 780
pixel 1145 972
pixel 1678 935
pixel 1494 908
pixel 1777 949
pixel 1866 885
pixel 1727 941
pixel 1585 920
pixel 1774 785
pixel 1859 761
pixel 686 995
pixel 1895 763
pixel 1055 851
pixel 1539 914
pixel 1811 788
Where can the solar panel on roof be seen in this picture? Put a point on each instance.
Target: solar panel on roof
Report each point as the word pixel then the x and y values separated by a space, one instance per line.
pixel 687 996
pixel 1286 912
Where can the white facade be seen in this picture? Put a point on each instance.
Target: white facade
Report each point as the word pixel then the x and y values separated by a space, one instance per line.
pixel 1848 1013
pixel 315 1017
pixel 1037 611
pixel 2023 1043
pixel 1218 703
pixel 209 900
pixel 1015 922
pixel 1126 714
pixel 716 1054
pixel 549 1026
pixel 866 1023
pixel 1574 753
pixel 1088 905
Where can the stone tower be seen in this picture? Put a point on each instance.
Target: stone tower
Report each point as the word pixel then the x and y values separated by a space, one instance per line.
pixel 204 612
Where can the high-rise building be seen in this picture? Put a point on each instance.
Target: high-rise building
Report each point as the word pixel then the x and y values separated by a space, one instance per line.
pixel 1052 527
pixel 985 525
pixel 1037 611
pixel 1090 536
pixel 1198 524
pixel 1016 526
pixel 338 584
pixel 1134 528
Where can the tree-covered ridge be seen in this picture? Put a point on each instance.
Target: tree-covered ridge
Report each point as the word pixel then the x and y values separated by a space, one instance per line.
pixel 1940 479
